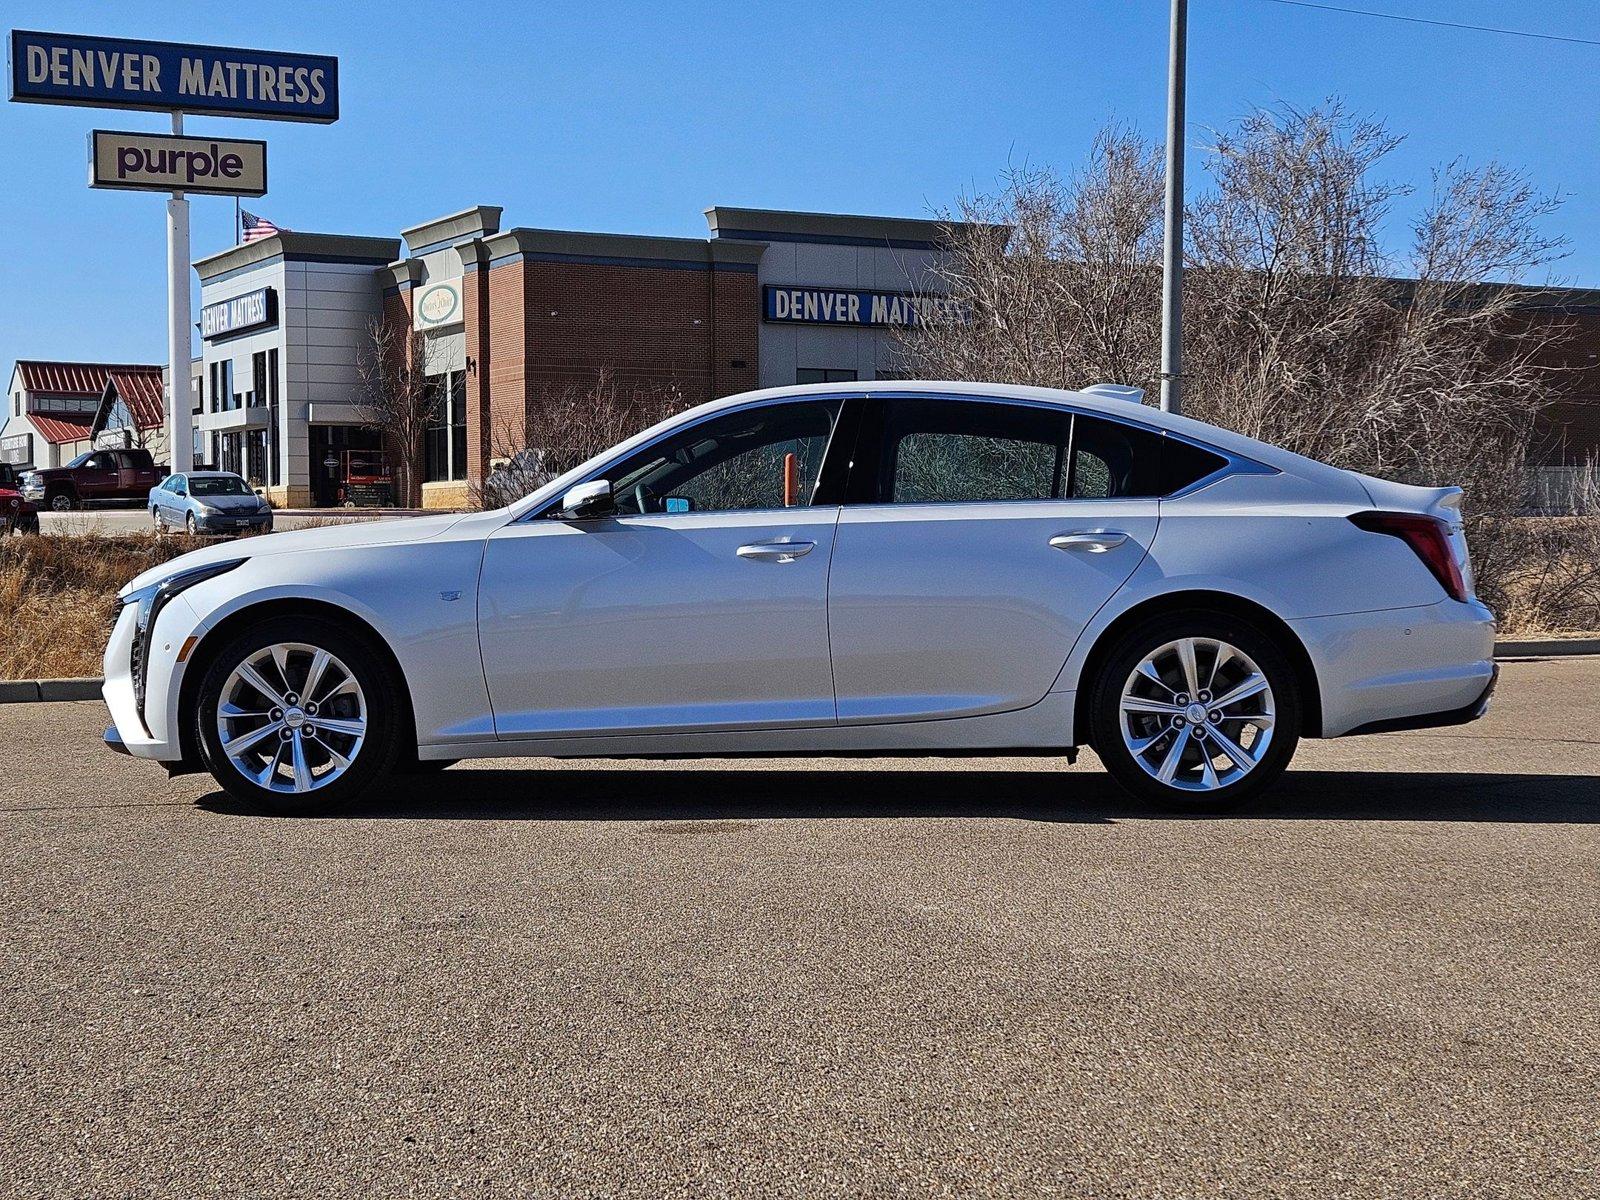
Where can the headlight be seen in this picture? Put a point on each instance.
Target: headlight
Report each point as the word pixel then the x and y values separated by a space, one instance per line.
pixel 150 600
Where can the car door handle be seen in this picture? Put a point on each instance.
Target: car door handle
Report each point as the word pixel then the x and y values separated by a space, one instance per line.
pixel 776 551
pixel 1093 541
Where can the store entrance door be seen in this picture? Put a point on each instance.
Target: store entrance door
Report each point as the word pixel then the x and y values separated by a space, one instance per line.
pixel 329 459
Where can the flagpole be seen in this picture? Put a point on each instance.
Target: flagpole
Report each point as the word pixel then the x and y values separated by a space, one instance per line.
pixel 238 229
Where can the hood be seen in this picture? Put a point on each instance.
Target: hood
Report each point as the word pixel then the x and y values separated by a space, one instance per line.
pixel 331 537
pixel 248 503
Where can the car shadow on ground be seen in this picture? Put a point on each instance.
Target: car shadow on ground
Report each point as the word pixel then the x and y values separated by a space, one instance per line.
pixel 466 793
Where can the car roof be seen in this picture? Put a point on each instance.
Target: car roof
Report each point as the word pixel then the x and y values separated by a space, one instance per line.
pixel 211 475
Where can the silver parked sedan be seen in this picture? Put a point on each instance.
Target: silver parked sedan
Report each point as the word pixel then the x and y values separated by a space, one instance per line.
pixel 209 502
pixel 878 568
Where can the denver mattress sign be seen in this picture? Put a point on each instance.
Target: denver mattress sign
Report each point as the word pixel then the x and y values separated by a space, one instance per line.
pixel 68 68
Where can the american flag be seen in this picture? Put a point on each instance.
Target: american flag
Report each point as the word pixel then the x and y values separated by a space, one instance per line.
pixel 256 227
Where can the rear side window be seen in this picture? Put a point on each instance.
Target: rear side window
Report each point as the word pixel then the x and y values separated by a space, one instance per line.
pixel 951 451
pixel 963 451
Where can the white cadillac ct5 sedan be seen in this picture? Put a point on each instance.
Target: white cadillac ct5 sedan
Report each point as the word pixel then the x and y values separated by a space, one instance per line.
pixel 883 568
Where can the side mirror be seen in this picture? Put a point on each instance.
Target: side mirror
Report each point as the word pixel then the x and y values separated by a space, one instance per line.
pixel 592 499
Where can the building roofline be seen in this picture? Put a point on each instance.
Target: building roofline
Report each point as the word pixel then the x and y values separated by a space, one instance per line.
pixel 481 220
pixel 777 224
pixel 637 248
pixel 290 245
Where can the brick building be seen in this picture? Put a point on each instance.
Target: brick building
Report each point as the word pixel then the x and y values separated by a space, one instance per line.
pixel 506 315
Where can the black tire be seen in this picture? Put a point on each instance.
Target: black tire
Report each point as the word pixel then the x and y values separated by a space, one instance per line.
pixel 29 523
pixel 189 526
pixel 62 502
pixel 1132 647
pixel 376 755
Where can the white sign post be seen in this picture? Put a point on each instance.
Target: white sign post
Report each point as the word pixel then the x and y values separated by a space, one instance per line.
pixel 180 409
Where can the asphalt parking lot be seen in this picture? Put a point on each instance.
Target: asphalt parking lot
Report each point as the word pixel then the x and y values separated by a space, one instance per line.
pixel 812 978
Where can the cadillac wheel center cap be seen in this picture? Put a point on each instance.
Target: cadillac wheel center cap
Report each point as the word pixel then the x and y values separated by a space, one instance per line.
pixel 1196 714
pixel 294 718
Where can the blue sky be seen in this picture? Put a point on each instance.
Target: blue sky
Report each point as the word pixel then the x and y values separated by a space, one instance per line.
pixel 634 117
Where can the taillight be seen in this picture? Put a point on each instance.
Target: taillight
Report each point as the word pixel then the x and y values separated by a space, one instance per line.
pixel 1429 539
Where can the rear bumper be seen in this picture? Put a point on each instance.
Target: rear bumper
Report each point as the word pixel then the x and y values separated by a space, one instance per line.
pixel 1436 720
pixel 1404 664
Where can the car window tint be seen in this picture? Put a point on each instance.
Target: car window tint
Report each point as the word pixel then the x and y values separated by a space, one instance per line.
pixel 1183 465
pixel 1111 460
pixel 761 458
pixel 953 451
pixel 219 485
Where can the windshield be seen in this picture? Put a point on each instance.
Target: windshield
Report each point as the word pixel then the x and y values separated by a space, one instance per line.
pixel 217 485
pixel 8 475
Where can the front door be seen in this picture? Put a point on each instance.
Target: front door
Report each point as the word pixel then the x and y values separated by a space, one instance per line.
pixel 701 603
pixel 986 538
pixel 96 479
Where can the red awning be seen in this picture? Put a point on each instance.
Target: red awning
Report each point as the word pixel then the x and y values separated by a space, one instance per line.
pixel 63 427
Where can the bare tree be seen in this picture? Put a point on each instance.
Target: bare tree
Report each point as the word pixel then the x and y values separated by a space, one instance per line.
pixel 566 424
pixel 1432 365
pixel 399 398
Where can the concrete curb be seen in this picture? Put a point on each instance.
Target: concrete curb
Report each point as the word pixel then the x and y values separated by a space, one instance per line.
pixel 1549 648
pixel 23 691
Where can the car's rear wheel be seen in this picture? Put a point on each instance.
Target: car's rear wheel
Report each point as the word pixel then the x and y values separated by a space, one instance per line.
pixel 297 715
pixel 1195 710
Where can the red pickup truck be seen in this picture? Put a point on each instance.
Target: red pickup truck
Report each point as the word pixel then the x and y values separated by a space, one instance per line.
pixel 93 477
pixel 15 512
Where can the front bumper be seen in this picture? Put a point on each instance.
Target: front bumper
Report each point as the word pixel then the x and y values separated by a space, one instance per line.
pixel 224 523
pixel 157 736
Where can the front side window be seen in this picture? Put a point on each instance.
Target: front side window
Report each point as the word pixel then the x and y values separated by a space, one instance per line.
pixel 763 458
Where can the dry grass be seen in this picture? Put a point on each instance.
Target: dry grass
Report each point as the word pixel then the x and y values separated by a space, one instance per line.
pixel 56 598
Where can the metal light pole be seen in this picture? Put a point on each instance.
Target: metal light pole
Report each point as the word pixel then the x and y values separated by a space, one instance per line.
pixel 180 422
pixel 1172 276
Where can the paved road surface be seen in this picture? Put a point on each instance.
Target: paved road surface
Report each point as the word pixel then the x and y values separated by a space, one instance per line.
pixel 819 978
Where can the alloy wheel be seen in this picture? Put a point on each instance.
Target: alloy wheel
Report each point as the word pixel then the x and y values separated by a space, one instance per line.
pixel 291 718
pixel 1197 714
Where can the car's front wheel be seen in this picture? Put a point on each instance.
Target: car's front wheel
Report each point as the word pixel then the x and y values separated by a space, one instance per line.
pixel 297 714
pixel 1195 710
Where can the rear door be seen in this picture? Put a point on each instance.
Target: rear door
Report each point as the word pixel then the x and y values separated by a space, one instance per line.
pixel 981 538
pixel 135 475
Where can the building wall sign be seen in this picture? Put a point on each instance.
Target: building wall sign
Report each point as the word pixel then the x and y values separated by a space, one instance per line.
pixel 161 162
pixel 831 306
pixel 249 311
pixel 438 305
pixel 66 68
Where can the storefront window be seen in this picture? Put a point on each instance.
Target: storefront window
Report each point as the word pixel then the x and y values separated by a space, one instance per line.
pixel 444 444
pixel 823 375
